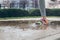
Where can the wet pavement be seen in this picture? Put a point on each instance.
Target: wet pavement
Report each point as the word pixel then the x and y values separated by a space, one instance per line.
pixel 13 30
pixel 12 33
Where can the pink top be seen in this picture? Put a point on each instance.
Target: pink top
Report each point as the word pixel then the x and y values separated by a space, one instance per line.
pixel 43 21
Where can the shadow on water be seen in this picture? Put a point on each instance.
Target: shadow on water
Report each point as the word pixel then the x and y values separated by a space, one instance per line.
pixel 57 39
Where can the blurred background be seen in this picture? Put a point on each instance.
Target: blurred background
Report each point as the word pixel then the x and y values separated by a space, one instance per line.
pixel 28 4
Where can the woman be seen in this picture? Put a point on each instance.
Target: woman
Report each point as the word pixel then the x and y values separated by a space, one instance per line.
pixel 44 23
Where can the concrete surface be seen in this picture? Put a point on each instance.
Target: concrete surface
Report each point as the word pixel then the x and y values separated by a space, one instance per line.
pixel 11 33
pixel 24 19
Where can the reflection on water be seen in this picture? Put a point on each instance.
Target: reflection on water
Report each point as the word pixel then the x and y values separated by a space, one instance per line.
pixel 26 24
pixel 20 24
pixel 13 32
pixel 55 24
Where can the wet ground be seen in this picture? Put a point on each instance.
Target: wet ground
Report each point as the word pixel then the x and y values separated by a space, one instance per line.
pixel 14 30
pixel 28 24
pixel 9 33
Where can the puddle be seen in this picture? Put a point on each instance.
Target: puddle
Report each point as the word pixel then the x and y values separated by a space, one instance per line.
pixel 14 31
